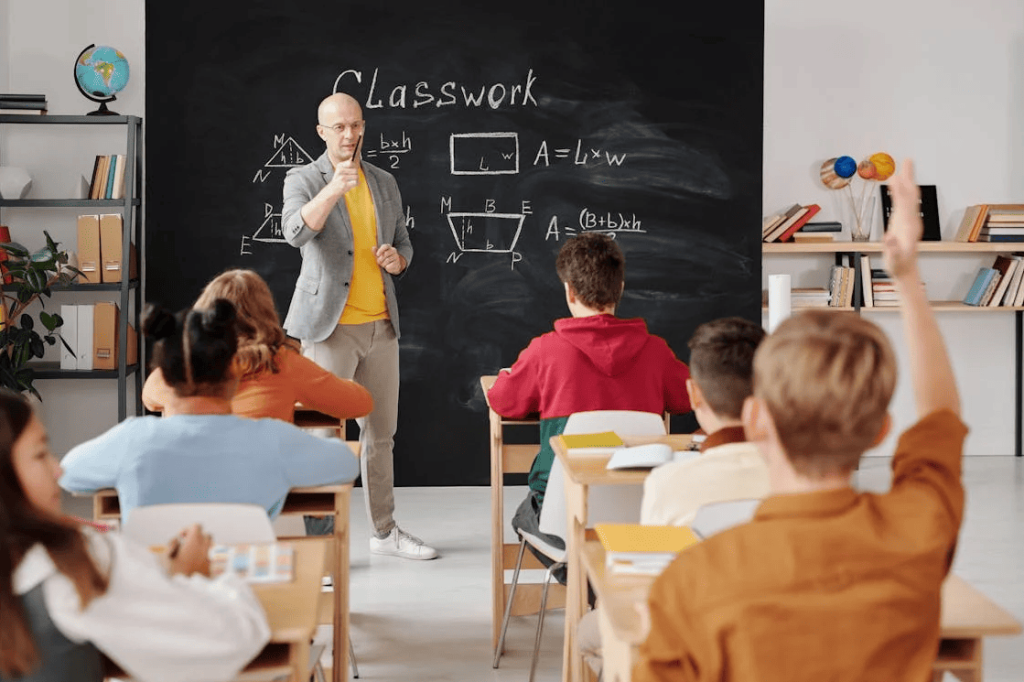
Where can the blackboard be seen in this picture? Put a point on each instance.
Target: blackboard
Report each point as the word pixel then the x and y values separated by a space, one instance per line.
pixel 538 119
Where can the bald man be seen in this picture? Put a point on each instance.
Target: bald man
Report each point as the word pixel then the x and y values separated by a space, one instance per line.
pixel 346 218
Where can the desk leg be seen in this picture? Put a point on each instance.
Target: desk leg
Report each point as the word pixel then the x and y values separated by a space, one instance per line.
pixel 341 585
pixel 497 530
pixel 298 660
pixel 576 592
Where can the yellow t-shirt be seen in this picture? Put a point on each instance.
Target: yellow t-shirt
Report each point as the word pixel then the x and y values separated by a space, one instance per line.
pixel 366 302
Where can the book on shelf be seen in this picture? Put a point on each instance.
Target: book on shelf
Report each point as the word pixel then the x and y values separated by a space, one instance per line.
pixel 971 215
pixel 118 190
pixel 1005 213
pixel 825 226
pixel 15 97
pixel 834 282
pixel 980 284
pixel 1011 291
pixel 100 177
pixel 866 283
pixel 789 227
pixel 272 562
pixel 771 222
pixel 1000 238
pixel 990 289
pixel 786 224
pixel 813 238
pixel 814 297
pixel 644 550
pixel 1006 266
pixel 21 106
pixel 929 211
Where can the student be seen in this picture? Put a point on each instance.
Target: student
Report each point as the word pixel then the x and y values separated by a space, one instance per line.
pixel 273 373
pixel 828 583
pixel 203 453
pixel 728 468
pixel 69 593
pixel 591 361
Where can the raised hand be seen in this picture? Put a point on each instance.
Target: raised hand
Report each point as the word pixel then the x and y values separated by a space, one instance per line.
pixel 905 225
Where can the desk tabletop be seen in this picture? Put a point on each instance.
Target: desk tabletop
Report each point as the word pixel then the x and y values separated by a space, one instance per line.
pixel 966 612
pixel 593 469
pixel 293 608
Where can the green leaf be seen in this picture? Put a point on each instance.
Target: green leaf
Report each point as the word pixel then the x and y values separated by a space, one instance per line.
pixel 36 346
pixel 26 321
pixel 15 249
pixel 48 320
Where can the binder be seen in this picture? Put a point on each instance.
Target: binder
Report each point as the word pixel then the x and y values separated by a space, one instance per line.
pixel 69 334
pixel 85 332
pixel 105 338
pixel 111 243
pixel 89 248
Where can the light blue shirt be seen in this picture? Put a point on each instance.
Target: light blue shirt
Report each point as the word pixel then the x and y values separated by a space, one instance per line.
pixel 205 458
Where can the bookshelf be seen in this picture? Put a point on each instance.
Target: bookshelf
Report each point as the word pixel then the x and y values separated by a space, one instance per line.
pixel 854 250
pixel 130 209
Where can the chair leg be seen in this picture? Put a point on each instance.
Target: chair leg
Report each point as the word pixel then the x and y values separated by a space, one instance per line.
pixel 540 618
pixel 352 659
pixel 500 648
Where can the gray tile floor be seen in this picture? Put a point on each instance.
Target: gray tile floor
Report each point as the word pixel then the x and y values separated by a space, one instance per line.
pixel 431 620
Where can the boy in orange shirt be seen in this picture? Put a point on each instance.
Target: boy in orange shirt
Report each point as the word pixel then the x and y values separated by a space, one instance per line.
pixel 828 583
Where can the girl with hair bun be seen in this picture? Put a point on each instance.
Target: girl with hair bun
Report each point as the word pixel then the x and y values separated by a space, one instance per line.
pixel 69 594
pixel 273 373
pixel 203 452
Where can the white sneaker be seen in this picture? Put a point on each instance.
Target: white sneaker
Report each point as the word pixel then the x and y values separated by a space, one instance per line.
pixel 400 543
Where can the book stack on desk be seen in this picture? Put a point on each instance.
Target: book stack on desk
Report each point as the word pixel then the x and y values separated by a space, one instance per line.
pixel 642 550
pixel 23 104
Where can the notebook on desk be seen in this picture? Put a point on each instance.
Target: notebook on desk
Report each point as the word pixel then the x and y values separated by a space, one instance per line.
pixel 272 562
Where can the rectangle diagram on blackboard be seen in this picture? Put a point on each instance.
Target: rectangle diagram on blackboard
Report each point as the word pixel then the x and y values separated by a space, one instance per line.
pixel 484 153
pixel 486 232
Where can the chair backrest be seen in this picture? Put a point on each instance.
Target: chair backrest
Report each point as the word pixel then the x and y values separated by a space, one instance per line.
pixel 606 503
pixel 718 516
pixel 226 523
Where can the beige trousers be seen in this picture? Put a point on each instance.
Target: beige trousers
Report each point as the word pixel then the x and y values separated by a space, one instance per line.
pixel 368 354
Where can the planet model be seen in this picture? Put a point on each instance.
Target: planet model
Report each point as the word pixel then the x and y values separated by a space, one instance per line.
pixel 845 167
pixel 830 178
pixel 867 170
pixel 884 165
pixel 100 73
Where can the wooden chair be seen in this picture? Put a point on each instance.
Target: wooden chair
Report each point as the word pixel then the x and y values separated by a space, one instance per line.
pixel 621 502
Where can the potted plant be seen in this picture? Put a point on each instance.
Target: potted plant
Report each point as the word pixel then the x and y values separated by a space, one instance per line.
pixel 28 277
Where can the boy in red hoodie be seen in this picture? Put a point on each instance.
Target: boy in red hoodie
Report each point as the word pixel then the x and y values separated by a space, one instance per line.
pixel 591 361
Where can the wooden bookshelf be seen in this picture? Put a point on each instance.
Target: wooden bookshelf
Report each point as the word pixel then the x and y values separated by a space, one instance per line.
pixel 876 247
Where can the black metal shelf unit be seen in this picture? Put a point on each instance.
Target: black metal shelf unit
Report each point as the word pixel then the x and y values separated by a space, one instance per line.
pixel 130 208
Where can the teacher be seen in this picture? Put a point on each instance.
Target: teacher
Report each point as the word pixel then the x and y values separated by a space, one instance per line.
pixel 346 218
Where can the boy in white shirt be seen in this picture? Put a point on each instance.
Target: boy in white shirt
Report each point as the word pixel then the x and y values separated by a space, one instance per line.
pixel 728 468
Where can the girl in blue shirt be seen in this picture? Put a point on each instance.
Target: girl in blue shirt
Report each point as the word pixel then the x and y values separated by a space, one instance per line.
pixel 203 453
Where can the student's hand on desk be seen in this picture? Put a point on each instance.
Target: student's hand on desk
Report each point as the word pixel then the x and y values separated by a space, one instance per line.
pixel 190 552
pixel 389 259
pixel 905 225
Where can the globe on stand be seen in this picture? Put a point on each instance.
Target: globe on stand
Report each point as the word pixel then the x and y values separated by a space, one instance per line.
pixel 100 73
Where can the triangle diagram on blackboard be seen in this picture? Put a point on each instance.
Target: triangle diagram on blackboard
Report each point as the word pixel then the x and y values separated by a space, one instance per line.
pixel 270 230
pixel 289 155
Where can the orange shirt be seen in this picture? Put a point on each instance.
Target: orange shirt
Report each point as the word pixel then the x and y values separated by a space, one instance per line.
pixel 839 585
pixel 269 394
pixel 366 302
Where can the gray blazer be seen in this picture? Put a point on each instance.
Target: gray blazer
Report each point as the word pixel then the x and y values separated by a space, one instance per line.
pixel 322 287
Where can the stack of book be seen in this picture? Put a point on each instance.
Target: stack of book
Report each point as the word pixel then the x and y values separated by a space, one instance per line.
pixel 108 177
pixel 783 225
pixel 992 223
pixel 883 290
pixel 841 286
pixel 999 285
pixel 23 104
pixel 642 550
pixel 818 232
pixel 810 298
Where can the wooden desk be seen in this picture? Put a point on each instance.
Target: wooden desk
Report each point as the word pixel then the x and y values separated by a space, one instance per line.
pixel 325 500
pixel 580 473
pixel 292 612
pixel 967 617
pixel 306 418
pixel 507 458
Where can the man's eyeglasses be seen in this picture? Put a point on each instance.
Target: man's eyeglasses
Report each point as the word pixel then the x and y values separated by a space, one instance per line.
pixel 339 128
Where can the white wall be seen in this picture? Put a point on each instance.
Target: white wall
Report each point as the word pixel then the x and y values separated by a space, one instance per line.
pixel 941 83
pixel 39 41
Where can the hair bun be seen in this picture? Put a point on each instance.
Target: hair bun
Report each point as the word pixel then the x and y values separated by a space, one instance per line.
pixel 158 322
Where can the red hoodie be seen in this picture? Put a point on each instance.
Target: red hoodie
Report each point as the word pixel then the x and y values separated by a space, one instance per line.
pixel 599 362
